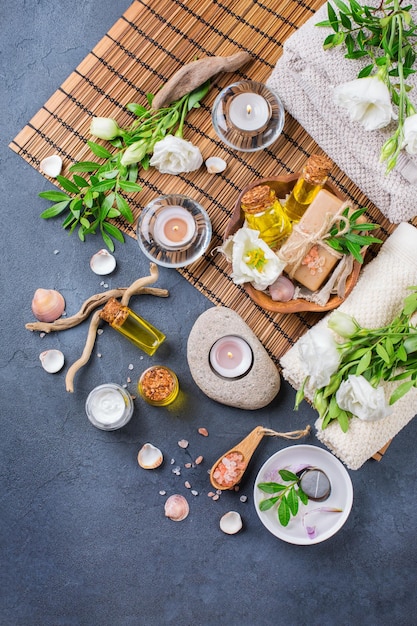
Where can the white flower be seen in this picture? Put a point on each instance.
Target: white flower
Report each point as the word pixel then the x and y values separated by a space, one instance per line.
pixel 367 100
pixel 343 324
pixel 134 153
pixel 173 155
pixel 319 356
pixel 410 134
pixel 253 261
pixel 104 128
pixel 357 396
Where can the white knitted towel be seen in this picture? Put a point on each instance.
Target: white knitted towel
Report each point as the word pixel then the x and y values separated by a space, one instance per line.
pixel 375 300
pixel 304 79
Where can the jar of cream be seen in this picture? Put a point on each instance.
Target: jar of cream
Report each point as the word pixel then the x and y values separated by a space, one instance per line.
pixel 109 406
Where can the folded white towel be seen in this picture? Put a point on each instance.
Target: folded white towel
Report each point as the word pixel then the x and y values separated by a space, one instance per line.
pixel 304 78
pixel 375 300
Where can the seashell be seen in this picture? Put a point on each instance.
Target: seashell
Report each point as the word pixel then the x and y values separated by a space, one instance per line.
pixel 282 290
pixel 52 361
pixel 150 457
pixel 215 165
pixel 47 305
pixel 102 262
pixel 176 508
pixel 231 523
pixel 51 166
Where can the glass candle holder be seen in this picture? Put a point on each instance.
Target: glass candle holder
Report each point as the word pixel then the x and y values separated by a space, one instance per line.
pixel 109 406
pixel 158 385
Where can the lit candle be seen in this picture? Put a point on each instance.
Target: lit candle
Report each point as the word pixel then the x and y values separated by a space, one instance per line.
pixel 249 111
pixel 231 357
pixel 174 227
pixel 109 407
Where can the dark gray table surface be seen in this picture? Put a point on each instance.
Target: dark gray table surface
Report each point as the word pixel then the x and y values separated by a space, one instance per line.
pixel 83 532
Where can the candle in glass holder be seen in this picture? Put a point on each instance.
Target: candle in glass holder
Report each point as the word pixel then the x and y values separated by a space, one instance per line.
pixel 231 357
pixel 249 112
pixel 174 227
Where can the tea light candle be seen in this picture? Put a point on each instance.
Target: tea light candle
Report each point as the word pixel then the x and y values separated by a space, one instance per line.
pixel 174 227
pixel 249 112
pixel 231 357
pixel 109 407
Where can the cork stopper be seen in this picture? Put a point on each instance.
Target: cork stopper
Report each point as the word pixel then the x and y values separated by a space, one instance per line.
pixel 317 169
pixel 258 199
pixel 114 313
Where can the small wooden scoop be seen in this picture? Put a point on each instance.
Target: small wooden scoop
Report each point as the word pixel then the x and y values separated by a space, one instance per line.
pixel 242 453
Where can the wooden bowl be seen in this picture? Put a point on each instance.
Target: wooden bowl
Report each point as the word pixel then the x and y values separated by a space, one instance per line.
pixel 282 185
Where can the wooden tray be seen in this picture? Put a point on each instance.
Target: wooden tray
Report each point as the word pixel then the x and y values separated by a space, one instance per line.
pixel 282 185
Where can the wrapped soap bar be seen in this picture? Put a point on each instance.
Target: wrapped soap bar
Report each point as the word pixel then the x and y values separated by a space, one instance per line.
pixel 318 261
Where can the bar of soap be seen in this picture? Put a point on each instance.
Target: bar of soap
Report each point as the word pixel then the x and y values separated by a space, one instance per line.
pixel 319 262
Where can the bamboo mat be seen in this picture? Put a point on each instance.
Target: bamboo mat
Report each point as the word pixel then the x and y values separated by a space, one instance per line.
pixel 138 54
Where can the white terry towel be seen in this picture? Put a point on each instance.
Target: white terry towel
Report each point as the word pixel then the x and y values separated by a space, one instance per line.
pixel 304 78
pixel 375 300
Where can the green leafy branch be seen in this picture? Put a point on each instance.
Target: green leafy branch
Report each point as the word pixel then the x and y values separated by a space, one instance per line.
pixel 387 36
pixel 353 240
pixel 97 196
pixel 287 499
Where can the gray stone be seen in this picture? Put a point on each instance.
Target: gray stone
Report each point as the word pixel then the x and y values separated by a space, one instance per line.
pixel 254 390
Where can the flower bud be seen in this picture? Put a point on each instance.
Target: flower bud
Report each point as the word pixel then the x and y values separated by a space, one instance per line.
pixel 343 324
pixel 134 153
pixel 104 128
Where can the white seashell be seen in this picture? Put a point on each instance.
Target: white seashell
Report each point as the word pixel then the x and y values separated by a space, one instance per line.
pixel 102 262
pixel 215 165
pixel 51 166
pixel 150 457
pixel 52 361
pixel 231 523
pixel 47 305
pixel 176 508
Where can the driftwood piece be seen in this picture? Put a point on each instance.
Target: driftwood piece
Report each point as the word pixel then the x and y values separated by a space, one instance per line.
pixel 84 358
pixel 194 74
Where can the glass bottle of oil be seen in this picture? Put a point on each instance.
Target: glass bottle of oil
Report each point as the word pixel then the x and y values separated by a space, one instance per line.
pixel 311 180
pixel 138 330
pixel 263 212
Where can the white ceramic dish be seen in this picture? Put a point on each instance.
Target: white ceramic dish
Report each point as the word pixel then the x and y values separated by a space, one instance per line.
pixel 326 523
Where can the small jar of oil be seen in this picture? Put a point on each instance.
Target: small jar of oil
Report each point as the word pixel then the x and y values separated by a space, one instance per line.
pixel 310 182
pixel 263 212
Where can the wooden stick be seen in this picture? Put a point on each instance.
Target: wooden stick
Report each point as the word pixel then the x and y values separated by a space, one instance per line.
pixel 84 358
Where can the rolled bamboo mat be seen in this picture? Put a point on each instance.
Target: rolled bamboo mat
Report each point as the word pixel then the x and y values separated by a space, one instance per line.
pixel 139 53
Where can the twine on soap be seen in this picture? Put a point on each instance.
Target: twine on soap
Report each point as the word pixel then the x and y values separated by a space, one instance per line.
pixel 294 252
pixel 294 434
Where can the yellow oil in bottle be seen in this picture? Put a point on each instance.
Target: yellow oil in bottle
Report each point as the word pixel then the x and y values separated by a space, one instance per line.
pixel 132 326
pixel 311 180
pixel 263 212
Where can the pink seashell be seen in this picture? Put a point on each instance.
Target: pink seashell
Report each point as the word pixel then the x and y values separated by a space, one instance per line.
pixel 176 508
pixel 47 305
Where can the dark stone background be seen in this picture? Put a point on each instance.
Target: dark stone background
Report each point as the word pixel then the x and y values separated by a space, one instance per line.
pixel 83 533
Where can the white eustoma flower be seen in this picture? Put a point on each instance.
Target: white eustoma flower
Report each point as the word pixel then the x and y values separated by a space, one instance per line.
pixel 343 324
pixel 173 155
pixel 104 128
pixel 410 134
pixel 253 261
pixel 367 100
pixel 319 356
pixel 134 153
pixel 357 396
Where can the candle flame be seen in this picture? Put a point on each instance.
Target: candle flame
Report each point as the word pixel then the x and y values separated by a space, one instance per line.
pixel 230 355
pixel 175 228
pixel 248 109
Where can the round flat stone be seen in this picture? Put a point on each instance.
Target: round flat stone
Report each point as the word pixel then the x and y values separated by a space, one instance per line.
pixel 254 390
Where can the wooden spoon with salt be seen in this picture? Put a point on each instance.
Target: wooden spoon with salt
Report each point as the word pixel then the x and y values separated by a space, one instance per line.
pixel 242 453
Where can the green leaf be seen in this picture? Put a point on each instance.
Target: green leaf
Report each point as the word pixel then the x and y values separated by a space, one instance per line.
pixel 54 196
pixel 54 210
pixel 364 362
pixel 113 231
pixel 197 95
pixel 129 186
pixel 400 391
pixel 287 475
pixel 108 241
pixel 272 487
pixel 80 181
pixel 84 166
pixel 343 8
pixel 343 420
pixel 68 185
pixel 292 501
pixel 303 497
pixel 284 512
pixel 137 109
pixel 382 353
pixel 124 208
pixel 265 505
pixel 103 185
pixel 366 71
pixel 346 23
pixel 99 150
pixel 331 14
